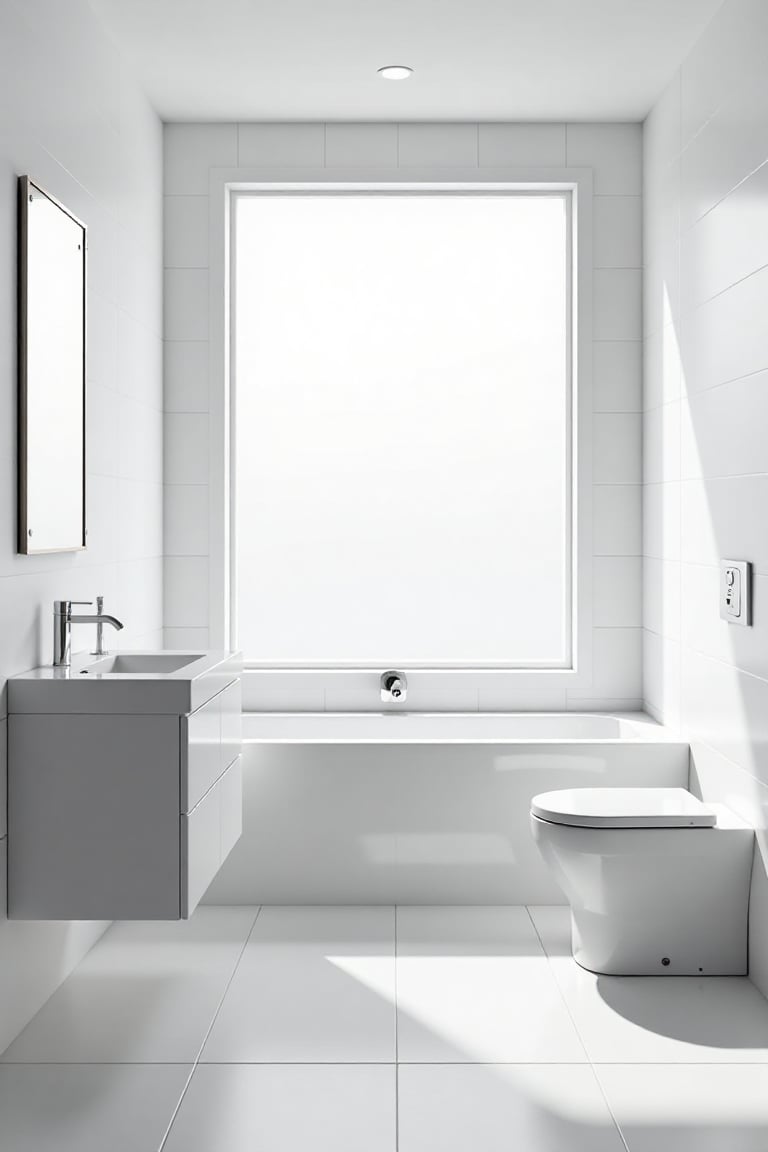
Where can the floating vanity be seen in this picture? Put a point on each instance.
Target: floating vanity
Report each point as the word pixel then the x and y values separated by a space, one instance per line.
pixel 124 785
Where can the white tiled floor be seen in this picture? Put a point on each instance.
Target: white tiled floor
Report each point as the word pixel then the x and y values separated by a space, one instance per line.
pixel 375 1030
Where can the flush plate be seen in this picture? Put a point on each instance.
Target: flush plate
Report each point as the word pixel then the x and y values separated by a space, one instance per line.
pixel 736 591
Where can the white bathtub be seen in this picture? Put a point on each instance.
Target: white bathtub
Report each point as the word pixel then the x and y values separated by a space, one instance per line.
pixel 421 809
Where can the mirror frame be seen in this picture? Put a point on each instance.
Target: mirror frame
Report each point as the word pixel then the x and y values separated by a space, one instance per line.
pixel 24 531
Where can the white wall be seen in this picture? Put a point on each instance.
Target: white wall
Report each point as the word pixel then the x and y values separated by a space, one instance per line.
pixel 706 416
pixel 614 153
pixel 72 118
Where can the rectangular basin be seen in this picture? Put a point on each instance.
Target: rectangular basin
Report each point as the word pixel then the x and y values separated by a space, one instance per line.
pixel 134 683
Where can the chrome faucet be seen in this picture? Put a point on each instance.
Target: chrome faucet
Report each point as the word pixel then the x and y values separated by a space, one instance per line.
pixel 63 619
pixel 394 687
pixel 99 650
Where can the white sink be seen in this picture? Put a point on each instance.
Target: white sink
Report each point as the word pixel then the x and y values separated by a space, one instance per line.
pixel 139 663
pixel 147 683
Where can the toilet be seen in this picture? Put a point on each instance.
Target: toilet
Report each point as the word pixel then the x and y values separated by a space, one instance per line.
pixel 657 881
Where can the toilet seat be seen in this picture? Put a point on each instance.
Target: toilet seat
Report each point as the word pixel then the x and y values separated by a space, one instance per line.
pixel 623 808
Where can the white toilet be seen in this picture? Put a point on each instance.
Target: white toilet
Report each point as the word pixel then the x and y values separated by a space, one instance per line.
pixel 657 881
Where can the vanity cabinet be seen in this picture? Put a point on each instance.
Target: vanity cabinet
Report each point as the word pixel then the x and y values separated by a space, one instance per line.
pixel 122 816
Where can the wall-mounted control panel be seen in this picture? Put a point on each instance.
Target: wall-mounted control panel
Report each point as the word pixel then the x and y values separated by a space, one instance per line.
pixel 736 591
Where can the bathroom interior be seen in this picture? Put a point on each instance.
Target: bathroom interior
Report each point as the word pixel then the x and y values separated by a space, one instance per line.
pixel 383 576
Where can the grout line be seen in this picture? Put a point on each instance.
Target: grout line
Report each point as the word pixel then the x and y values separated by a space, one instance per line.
pixel 720 291
pixel 204 1041
pixel 575 1028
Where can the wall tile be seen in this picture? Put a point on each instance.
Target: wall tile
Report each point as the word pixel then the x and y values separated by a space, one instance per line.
pixel 661 443
pixel 727 244
pixel 281 145
pixel 662 140
pixel 185 303
pixel 726 150
pixel 617 592
pixel 661 520
pixel 662 296
pixel 729 50
pixel 618 295
pixel 723 430
pixel 662 679
pixel 703 631
pixel 710 354
pixel 616 448
pixel 140 519
pixel 186 591
pixel 727 709
pixel 425 144
pixel 186 448
pixel 617 520
pixel 191 150
pixel 725 518
pixel 613 151
pixel 661 597
pixel 522 145
pixel 617 376
pixel 185 376
pixel 185 232
pixel 186 639
pixel 617 231
pixel 186 520
pixel 617 665
pixel 352 144
pixel 663 370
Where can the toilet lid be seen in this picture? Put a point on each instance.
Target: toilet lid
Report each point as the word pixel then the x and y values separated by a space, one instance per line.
pixel 623 808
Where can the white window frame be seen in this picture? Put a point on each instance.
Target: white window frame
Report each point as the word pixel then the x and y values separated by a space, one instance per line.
pixel 430 689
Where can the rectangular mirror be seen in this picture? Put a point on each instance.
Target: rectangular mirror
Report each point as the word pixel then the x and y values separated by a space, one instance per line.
pixel 52 266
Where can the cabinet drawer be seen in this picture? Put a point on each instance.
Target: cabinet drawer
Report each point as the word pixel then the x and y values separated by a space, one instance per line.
pixel 210 741
pixel 208 834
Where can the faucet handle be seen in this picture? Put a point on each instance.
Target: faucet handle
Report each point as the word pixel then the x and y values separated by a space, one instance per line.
pixel 64 607
pixel 99 604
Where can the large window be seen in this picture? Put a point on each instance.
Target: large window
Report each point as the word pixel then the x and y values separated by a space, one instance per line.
pixel 401 367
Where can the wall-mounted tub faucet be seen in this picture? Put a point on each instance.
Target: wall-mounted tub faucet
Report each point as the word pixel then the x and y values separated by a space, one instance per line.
pixel 63 619
pixel 394 687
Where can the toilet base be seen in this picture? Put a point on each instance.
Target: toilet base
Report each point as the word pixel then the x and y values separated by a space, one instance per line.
pixel 655 902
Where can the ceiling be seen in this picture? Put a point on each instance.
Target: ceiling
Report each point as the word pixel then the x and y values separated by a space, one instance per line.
pixel 472 59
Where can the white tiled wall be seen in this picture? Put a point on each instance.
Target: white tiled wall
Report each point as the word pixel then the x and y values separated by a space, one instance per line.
pixel 72 118
pixel 614 153
pixel 706 415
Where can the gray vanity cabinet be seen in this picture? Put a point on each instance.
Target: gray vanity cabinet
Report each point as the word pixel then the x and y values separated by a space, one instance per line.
pixel 121 817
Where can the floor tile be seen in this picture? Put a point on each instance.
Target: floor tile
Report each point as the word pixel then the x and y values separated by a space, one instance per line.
pixel 147 992
pixel 501 1108
pixel 87 1107
pixel 287 1108
pixel 473 984
pixel 656 1019
pixel 315 985
pixel 689 1108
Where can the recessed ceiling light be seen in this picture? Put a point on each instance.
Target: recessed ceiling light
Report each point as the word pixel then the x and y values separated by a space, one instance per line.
pixel 395 72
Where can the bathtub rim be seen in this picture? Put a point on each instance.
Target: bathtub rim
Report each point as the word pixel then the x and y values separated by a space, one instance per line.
pixel 270 727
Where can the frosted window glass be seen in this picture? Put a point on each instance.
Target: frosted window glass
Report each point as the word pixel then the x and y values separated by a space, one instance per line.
pixel 402 422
